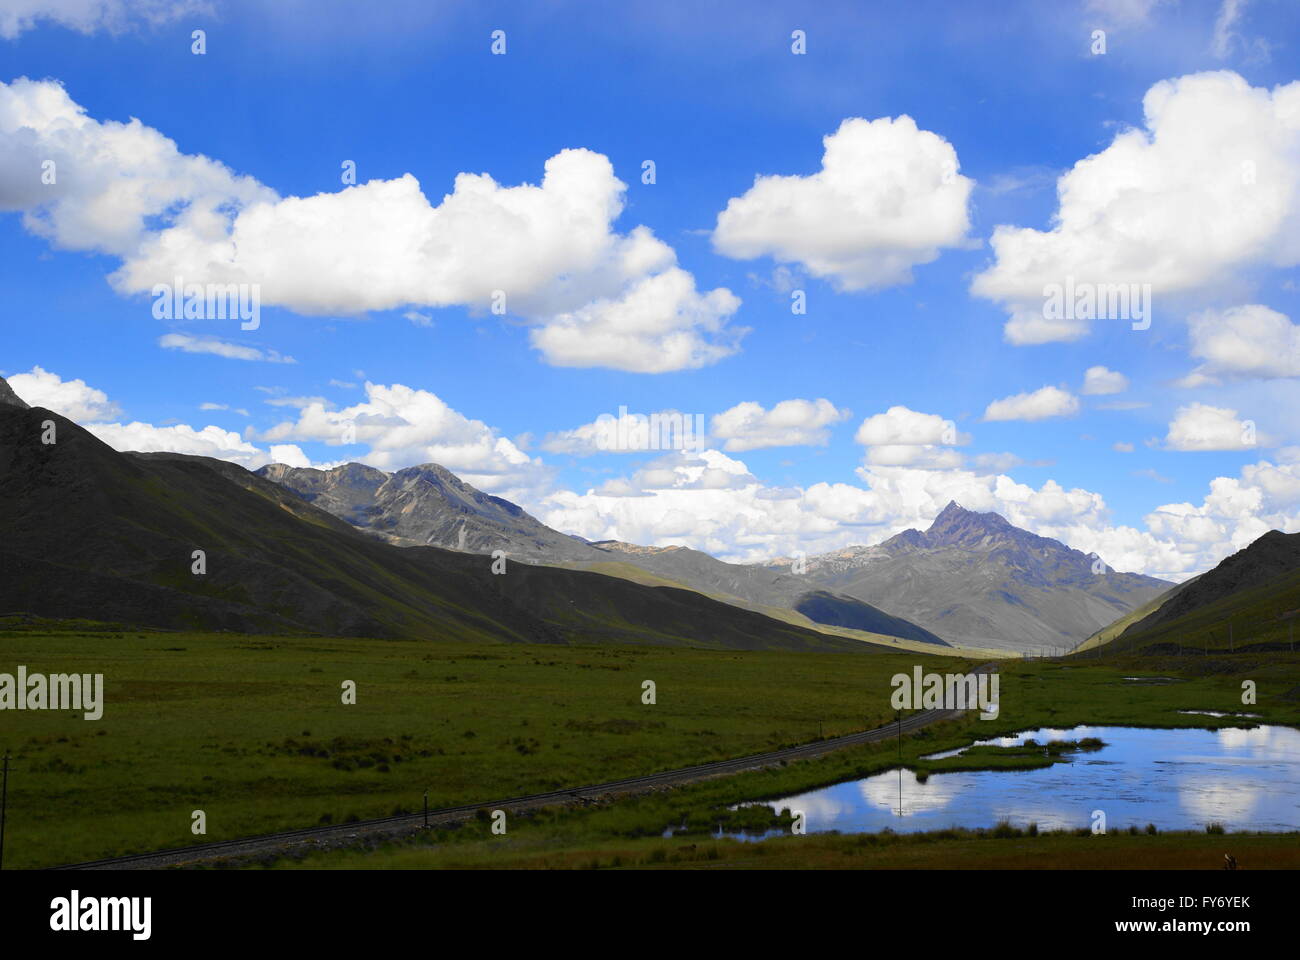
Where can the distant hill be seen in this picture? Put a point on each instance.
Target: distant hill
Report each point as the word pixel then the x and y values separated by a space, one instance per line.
pixel 96 534
pixel 429 505
pixel 752 585
pixel 822 606
pixel 972 579
pixel 1251 599
pixel 1270 558
pixel 976 579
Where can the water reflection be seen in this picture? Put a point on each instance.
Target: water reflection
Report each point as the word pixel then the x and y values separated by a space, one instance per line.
pixel 1246 779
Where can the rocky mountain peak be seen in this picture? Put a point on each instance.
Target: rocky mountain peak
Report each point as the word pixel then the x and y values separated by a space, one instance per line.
pixel 620 546
pixel 428 505
pixel 358 473
pixel 274 471
pixel 957 526
pixel 434 473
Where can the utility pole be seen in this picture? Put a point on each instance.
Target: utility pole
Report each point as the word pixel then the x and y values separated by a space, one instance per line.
pixel 900 763
pixel 4 800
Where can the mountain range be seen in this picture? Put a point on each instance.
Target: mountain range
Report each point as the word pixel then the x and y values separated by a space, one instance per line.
pixel 971 579
pixel 428 505
pixel 92 533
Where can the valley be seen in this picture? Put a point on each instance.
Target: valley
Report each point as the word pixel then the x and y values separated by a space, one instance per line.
pixel 489 437
pixel 335 660
pixel 252 730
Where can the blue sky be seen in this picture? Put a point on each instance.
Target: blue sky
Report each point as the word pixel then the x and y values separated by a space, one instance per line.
pixel 714 96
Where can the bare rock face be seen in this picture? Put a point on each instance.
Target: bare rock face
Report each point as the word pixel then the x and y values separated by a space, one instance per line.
pixel 429 505
pixel 634 549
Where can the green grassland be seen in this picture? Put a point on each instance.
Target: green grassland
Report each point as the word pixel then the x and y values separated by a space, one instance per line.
pixel 1034 693
pixel 998 848
pixel 252 731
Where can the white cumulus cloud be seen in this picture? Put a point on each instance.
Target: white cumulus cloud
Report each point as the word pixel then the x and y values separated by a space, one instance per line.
pixel 888 198
pixel 1207 189
pixel 71 398
pixel 629 432
pixel 402 426
pixel 289 454
pixel 790 423
pixel 900 425
pixel 210 441
pixel 1246 342
pixel 904 437
pixel 1100 381
pixel 740 519
pixel 1041 404
pixel 547 253
pixel 1200 426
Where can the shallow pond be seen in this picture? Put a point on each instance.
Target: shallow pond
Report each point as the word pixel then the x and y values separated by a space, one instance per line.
pixel 1244 779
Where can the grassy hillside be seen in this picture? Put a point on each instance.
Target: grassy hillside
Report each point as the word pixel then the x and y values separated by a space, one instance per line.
pixel 1112 630
pixel 1261 618
pixel 1251 599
